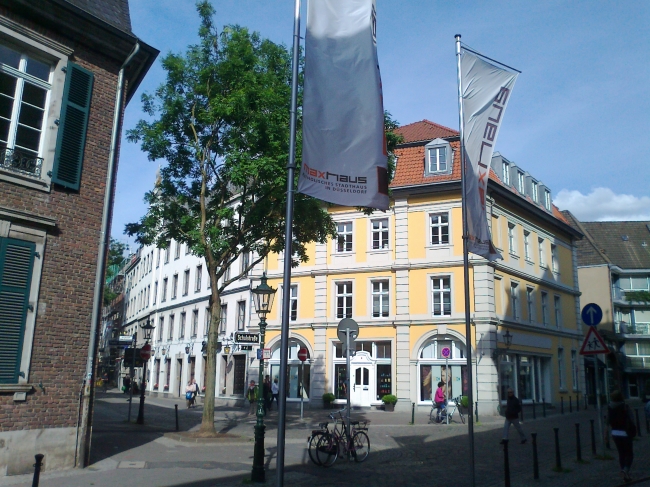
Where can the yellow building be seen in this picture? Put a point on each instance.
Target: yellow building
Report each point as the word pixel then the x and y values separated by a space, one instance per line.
pixel 399 274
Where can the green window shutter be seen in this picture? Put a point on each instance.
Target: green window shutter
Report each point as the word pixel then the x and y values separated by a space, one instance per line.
pixel 73 124
pixel 16 264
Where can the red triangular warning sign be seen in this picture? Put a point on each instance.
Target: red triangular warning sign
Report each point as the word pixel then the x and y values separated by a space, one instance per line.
pixel 593 343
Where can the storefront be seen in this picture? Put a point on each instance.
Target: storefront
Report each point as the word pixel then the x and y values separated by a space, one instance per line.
pixel 433 368
pixel 529 376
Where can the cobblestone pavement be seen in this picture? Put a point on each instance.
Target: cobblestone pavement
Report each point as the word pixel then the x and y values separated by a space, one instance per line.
pixel 401 454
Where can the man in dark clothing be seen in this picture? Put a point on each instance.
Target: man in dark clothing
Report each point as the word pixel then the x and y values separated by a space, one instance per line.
pixel 127 384
pixel 513 408
pixel 619 417
pixel 266 391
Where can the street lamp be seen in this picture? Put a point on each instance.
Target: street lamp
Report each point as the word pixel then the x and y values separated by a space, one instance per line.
pixel 263 300
pixel 147 330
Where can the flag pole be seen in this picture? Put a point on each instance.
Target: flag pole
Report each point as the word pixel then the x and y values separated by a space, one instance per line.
pixel 286 282
pixel 468 329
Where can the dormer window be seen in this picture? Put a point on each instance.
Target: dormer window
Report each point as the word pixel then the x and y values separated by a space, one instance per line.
pixel 438 157
pixel 505 168
pixel 547 200
pixel 521 182
pixel 534 191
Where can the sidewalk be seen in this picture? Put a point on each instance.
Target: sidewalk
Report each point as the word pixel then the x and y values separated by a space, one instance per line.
pixel 401 454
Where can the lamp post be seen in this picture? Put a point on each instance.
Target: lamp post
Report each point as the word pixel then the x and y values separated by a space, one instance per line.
pixel 263 300
pixel 147 330
pixel 507 341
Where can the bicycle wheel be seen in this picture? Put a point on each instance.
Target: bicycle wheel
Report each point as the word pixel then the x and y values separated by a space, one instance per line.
pixel 313 444
pixel 327 450
pixel 432 415
pixel 462 416
pixel 360 446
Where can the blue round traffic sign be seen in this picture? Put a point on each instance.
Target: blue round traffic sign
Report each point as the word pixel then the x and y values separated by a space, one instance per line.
pixel 591 314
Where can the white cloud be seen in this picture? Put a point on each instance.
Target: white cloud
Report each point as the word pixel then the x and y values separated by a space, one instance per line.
pixel 602 204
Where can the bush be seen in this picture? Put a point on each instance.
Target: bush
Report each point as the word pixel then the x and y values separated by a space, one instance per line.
pixel 464 401
pixel 328 397
pixel 389 399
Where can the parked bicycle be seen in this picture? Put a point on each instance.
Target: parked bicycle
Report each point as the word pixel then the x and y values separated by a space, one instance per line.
pixel 440 415
pixel 326 444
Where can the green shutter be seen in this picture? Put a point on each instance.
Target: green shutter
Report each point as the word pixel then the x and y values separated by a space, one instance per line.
pixel 16 264
pixel 73 124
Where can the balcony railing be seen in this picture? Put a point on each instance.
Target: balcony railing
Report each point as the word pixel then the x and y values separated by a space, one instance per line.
pixel 630 329
pixel 638 362
pixel 620 294
pixel 20 162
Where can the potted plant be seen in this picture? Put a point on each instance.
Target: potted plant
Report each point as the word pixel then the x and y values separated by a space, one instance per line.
pixel 155 386
pixel 166 387
pixel 328 400
pixel 389 402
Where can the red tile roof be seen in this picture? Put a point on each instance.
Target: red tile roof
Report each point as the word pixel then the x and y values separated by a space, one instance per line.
pixel 424 130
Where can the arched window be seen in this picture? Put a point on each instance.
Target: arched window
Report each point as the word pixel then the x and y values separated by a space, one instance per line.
pixel 296 370
pixel 442 359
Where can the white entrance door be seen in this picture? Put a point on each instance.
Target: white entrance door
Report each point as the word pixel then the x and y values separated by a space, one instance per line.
pixel 363 385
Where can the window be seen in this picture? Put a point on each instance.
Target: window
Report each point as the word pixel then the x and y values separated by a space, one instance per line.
pixel 511 238
pixel 547 200
pixel 245 262
pixel 158 258
pixel 187 249
pixel 380 234
pixel 174 286
pixel 439 228
pixel 223 319
pixel 181 331
pixel 575 370
pixel 167 251
pixel 527 245
pixel 535 191
pixel 164 291
pixel 199 277
pixel 437 159
pixel 560 369
pixel 554 259
pixel 226 275
pixel 177 252
pixel 161 325
pixel 293 303
pixel 514 300
pixel 441 288
pixel 148 296
pixel 379 299
pixel 558 310
pixel 170 331
pixel 155 292
pixel 344 300
pixel 208 320
pixel 195 323
pixel 530 303
pixel 344 238
pixel 241 315
pixel 186 282
pixel 542 261
pixel 544 308
pixel 521 186
pixel 506 173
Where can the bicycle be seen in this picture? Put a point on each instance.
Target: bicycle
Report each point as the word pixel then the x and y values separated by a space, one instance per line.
pixel 330 443
pixel 440 416
pixel 312 441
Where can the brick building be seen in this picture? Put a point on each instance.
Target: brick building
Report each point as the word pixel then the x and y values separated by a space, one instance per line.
pixel 61 63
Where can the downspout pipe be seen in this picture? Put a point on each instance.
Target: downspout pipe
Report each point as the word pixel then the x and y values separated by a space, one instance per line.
pixel 86 420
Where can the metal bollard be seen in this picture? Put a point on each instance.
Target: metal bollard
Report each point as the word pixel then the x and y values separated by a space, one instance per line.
pixel 570 404
pixel 544 406
pixel 413 413
pixel 578 449
pixel 578 402
pixel 562 405
pixel 37 469
pixel 535 460
pixel 506 463
pixel 558 459
pixel 593 437
pixel 606 434
pixel 176 411
pixel 534 413
pixel 638 424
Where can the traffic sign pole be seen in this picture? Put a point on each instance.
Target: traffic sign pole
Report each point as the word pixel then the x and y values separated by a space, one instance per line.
pixel 347 361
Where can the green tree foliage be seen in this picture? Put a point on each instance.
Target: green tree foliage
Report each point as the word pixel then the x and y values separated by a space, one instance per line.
pixel 114 263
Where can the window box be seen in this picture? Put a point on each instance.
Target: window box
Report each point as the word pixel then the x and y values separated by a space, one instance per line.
pixel 166 387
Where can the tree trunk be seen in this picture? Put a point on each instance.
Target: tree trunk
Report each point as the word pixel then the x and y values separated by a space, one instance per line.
pixel 207 422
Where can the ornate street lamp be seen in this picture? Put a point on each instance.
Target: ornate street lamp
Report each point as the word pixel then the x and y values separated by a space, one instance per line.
pixel 263 300
pixel 147 330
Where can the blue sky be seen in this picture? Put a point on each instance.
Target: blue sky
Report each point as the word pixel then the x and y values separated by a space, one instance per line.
pixel 578 119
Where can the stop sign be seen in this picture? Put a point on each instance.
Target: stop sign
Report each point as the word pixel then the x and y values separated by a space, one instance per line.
pixel 302 354
pixel 145 352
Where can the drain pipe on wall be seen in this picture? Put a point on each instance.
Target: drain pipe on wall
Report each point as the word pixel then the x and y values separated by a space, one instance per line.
pixel 89 380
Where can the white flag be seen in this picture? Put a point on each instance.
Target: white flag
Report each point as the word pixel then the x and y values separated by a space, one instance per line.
pixel 344 158
pixel 486 91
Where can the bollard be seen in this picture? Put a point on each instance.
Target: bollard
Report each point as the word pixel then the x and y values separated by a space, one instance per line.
pixel 476 420
pixel 37 469
pixel 570 404
pixel 534 413
pixel 544 406
pixel 578 449
pixel 562 405
pixel 593 437
pixel 578 402
pixel 535 461
pixel 558 460
pixel 506 463
pixel 586 402
pixel 176 411
pixel 647 421
pixel 412 413
pixel 638 424
pixel 606 433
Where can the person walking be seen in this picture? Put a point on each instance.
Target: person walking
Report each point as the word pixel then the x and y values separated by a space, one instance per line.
pixel 189 393
pixel 127 384
pixel 266 393
pixel 619 417
pixel 275 388
pixel 105 382
pixel 251 396
pixel 439 399
pixel 195 393
pixel 513 408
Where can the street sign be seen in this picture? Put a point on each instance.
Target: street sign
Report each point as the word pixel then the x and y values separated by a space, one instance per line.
pixel 303 354
pixel 593 344
pixel 246 348
pixel 446 352
pixel 128 357
pixel 592 314
pixel 145 352
pixel 242 337
pixel 267 354
pixel 345 324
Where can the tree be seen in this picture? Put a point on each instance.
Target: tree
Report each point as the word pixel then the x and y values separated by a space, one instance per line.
pixel 113 265
pixel 220 121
